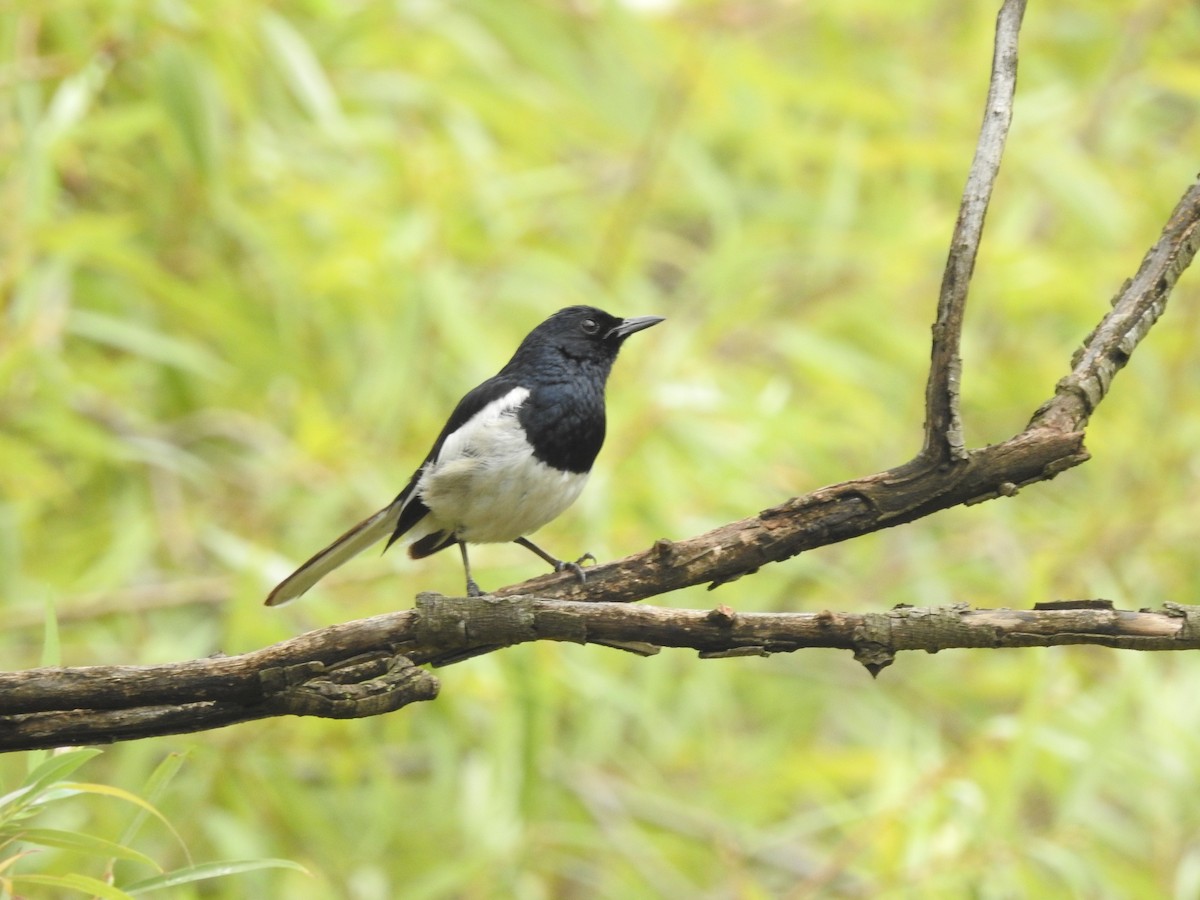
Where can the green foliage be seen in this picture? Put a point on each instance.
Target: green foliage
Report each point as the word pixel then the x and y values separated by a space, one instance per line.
pixel 253 252
pixel 47 786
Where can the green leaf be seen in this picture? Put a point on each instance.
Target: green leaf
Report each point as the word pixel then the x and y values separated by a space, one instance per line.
pixel 9 861
pixel 300 65
pixel 41 779
pixel 190 101
pixel 139 340
pixel 156 785
pixel 74 882
pixel 82 843
pixel 205 871
pixel 74 98
pixel 104 790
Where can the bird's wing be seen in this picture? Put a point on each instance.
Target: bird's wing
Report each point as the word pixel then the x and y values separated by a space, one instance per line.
pixel 410 508
pixel 399 516
pixel 471 405
pixel 353 542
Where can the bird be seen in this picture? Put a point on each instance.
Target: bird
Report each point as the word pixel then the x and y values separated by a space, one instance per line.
pixel 514 454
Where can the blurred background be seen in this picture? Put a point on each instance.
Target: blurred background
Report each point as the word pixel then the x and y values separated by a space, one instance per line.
pixel 253 252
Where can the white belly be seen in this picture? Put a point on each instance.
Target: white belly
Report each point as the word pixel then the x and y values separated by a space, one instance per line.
pixel 486 486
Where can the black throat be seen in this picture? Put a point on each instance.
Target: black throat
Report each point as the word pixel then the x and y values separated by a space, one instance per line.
pixel 563 417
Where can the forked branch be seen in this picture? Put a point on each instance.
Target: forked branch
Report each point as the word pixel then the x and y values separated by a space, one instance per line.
pixel 373 665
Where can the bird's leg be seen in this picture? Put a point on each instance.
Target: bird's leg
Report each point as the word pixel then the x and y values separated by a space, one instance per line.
pixel 559 565
pixel 472 588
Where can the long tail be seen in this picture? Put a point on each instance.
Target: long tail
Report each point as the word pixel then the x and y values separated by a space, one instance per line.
pixel 349 545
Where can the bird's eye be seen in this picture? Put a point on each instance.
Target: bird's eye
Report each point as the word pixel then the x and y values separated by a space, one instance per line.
pixel 590 326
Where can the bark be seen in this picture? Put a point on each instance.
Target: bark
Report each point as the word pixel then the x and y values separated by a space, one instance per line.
pixel 374 665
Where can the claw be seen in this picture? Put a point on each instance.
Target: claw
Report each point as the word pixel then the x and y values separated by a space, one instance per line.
pixel 559 565
pixel 564 566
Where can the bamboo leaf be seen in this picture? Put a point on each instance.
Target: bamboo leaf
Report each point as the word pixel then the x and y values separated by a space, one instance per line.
pixel 143 341
pixel 47 775
pixel 82 843
pixel 155 787
pixel 189 99
pixel 302 69
pixel 204 871
pixel 73 882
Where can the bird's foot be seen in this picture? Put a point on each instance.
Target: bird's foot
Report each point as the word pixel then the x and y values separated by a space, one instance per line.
pixel 576 567
pixel 473 589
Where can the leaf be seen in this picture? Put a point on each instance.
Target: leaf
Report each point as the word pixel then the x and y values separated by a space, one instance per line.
pixel 300 65
pixel 50 772
pixel 155 786
pixel 190 101
pixel 140 340
pixel 82 843
pixel 10 861
pixel 73 98
pixel 74 882
pixel 205 871
pixel 72 788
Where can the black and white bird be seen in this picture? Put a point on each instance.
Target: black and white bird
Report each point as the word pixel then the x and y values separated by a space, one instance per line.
pixel 515 453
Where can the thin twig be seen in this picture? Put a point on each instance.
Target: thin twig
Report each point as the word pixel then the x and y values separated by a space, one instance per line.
pixel 943 425
pixel 1138 305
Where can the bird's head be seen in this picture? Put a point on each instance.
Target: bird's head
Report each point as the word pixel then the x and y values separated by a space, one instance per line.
pixel 584 333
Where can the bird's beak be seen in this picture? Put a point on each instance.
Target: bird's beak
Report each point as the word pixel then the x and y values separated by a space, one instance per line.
pixel 629 326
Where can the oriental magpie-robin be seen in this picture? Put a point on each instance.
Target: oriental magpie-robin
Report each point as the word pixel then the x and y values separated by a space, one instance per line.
pixel 515 453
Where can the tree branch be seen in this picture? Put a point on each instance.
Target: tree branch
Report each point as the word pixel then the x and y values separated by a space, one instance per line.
pixel 373 665
pixel 943 426
pixel 370 667
pixel 1050 444
pixel 1136 307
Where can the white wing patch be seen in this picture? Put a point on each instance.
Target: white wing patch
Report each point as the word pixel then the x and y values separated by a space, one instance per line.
pixel 486 486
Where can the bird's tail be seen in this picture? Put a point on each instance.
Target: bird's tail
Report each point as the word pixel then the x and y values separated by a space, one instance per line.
pixel 349 545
